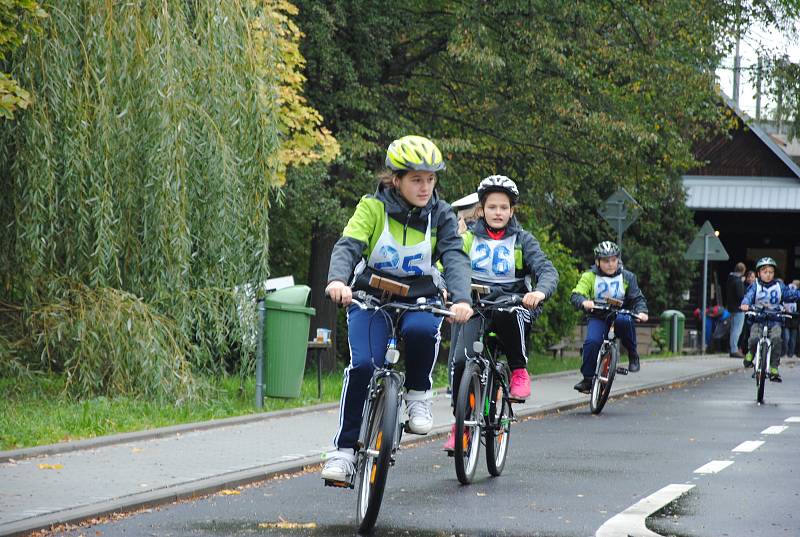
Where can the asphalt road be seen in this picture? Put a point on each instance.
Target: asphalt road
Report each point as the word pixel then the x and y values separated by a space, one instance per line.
pixel 567 475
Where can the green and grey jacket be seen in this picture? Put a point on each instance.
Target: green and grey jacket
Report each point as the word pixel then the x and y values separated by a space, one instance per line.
pixel 530 262
pixel 585 290
pixel 407 225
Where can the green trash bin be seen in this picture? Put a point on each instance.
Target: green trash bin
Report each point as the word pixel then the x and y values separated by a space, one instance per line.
pixel 286 322
pixel 672 322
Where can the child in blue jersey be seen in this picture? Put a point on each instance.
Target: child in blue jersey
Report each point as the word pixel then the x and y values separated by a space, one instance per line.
pixel 768 293
pixel 398 233
pixel 504 257
pixel 607 279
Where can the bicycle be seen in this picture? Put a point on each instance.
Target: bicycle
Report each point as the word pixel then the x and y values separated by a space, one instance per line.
pixel 381 426
pixel 761 358
pixel 483 406
pixel 607 358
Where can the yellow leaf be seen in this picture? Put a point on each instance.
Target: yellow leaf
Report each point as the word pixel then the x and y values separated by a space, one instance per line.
pixel 44 466
pixel 228 492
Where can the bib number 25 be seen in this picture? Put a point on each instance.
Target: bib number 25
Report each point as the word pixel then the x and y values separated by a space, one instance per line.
pixel 406 265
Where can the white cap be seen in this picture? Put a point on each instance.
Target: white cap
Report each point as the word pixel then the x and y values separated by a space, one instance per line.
pixel 466 202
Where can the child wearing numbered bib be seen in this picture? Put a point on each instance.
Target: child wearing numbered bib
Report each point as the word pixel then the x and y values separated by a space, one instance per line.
pixel 607 279
pixel 768 293
pixel 398 233
pixel 506 258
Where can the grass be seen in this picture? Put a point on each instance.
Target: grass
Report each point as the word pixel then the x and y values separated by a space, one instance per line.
pixel 37 411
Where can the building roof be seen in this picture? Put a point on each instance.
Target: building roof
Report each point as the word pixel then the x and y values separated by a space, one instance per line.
pixel 737 193
pixel 745 172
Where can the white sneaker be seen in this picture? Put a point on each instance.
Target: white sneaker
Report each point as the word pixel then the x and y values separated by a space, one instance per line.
pixel 418 406
pixel 340 466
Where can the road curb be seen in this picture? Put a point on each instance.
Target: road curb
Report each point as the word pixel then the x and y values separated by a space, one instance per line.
pixel 211 485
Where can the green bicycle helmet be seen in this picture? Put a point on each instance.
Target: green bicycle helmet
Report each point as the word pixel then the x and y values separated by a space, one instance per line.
pixel 414 153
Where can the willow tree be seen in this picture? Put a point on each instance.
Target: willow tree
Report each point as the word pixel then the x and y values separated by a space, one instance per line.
pixel 136 190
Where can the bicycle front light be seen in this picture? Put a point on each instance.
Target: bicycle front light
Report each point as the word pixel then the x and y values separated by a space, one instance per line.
pixel 392 356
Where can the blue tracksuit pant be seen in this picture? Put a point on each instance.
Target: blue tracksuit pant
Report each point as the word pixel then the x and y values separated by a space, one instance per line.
pixel 368 334
pixel 596 331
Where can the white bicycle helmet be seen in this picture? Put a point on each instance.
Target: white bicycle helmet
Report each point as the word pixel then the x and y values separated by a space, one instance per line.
pixel 606 249
pixel 499 183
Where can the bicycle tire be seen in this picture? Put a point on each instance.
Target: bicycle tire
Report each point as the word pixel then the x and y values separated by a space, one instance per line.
pixel 498 427
pixel 607 359
pixel 374 469
pixel 469 407
pixel 761 373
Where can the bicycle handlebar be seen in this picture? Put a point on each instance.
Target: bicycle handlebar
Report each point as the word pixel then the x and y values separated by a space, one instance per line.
pixel 604 307
pixel 761 312
pixel 365 302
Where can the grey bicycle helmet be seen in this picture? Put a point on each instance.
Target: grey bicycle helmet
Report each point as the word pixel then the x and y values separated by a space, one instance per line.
pixel 764 261
pixel 499 183
pixel 606 249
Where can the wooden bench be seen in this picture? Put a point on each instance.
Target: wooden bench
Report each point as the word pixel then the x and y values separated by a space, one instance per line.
pixel 558 348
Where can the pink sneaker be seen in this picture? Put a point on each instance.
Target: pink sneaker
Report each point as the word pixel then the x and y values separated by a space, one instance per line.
pixel 450 443
pixel 520 384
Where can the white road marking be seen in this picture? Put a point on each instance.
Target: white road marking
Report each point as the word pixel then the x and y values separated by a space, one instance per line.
pixel 630 522
pixel 713 467
pixel 792 419
pixel 775 429
pixel 750 445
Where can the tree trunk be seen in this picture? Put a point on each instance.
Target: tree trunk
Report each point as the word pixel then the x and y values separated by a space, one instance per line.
pixel 322 242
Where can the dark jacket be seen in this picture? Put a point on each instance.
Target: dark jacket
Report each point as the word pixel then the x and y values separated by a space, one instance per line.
pixel 530 261
pixel 584 290
pixel 734 291
pixel 407 225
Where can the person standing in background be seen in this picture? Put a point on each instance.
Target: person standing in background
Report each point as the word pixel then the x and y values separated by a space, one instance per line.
pixel 791 347
pixel 734 292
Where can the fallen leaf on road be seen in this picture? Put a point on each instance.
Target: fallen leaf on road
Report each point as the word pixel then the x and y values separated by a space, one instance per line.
pixel 284 525
pixel 228 492
pixel 481 494
pixel 44 466
pixel 137 450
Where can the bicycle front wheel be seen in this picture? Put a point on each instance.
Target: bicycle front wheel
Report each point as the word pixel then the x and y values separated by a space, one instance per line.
pixel 601 384
pixel 377 455
pixel 469 406
pixel 761 371
pixel 498 428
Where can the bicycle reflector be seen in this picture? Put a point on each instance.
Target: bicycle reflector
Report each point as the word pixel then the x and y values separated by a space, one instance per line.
pixel 477 347
pixel 392 356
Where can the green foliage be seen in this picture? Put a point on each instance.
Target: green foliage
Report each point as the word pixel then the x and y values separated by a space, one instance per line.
pixel 136 191
pixel 19 21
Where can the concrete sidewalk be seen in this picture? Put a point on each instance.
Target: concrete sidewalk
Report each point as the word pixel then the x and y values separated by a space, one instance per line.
pixel 125 472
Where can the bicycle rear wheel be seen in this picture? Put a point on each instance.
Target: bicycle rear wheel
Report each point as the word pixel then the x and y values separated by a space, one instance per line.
pixel 607 357
pixel 498 429
pixel 374 464
pixel 469 406
pixel 761 371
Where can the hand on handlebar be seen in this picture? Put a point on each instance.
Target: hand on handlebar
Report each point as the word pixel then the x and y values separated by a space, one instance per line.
pixel 588 305
pixel 532 299
pixel 642 317
pixel 744 307
pixel 339 293
pixel 462 311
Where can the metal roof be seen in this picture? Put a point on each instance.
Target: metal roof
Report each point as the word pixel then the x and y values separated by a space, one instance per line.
pixel 735 193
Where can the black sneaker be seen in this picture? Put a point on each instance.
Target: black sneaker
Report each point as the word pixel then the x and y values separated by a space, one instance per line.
pixel 633 363
pixel 775 377
pixel 584 386
pixel 747 363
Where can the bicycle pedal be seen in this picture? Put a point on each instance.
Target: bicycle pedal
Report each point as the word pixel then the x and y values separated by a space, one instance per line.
pixel 622 371
pixel 339 484
pixel 450 452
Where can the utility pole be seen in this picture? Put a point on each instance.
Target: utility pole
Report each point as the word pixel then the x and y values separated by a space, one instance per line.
pixel 758 91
